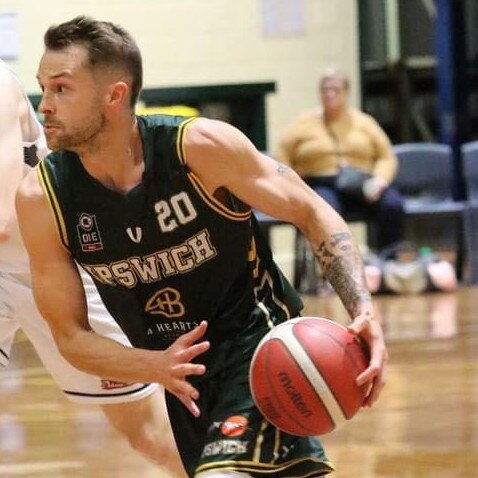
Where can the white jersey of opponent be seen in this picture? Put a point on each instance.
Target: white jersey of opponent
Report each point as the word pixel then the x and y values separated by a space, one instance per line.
pixel 13 257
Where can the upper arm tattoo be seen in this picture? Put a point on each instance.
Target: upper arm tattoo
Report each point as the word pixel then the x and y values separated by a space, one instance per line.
pixel 342 265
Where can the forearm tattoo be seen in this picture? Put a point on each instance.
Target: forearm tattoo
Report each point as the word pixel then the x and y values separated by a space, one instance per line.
pixel 342 266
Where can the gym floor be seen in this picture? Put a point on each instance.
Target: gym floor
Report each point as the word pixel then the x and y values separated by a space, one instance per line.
pixel 425 424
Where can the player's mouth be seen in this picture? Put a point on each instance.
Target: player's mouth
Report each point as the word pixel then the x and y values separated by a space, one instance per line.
pixel 50 127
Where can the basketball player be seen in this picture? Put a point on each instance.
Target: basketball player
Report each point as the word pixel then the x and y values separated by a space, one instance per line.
pixel 157 210
pixel 136 409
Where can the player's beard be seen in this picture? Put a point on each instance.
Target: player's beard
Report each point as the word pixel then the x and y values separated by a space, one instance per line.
pixel 79 136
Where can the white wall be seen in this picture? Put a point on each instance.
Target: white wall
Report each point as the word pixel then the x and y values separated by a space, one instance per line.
pixel 201 42
pixel 207 42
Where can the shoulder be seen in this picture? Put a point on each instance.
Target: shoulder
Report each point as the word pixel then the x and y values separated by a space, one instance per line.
pixel 365 119
pixel 215 138
pixel 161 120
pixel 369 125
pixel 217 152
pixel 30 184
pixel 37 216
pixel 309 115
pixel 205 132
pixel 29 192
pixel 301 125
pixel 306 117
pixel 57 171
pixel 55 162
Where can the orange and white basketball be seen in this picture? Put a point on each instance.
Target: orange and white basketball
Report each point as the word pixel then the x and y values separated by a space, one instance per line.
pixel 303 376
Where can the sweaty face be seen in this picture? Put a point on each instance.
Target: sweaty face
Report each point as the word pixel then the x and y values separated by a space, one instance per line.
pixel 71 101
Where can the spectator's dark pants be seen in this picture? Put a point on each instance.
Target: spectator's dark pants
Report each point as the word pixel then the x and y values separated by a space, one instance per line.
pixel 387 212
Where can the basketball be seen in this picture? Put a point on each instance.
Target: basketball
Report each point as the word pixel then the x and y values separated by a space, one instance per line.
pixel 302 376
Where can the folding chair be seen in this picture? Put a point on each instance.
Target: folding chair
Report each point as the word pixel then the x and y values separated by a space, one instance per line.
pixel 425 180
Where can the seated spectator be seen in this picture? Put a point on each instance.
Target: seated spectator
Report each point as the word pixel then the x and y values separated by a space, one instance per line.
pixel 318 143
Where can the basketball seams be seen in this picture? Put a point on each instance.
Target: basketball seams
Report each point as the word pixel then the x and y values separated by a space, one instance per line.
pixel 313 375
pixel 290 385
pixel 340 344
pixel 350 356
pixel 272 387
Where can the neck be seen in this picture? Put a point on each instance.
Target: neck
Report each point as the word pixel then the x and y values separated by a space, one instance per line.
pixel 116 160
pixel 331 115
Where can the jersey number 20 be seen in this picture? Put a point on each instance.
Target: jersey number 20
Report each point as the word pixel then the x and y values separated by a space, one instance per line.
pixel 178 210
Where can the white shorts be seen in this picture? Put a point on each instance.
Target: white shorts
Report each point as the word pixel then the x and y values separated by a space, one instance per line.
pixel 18 310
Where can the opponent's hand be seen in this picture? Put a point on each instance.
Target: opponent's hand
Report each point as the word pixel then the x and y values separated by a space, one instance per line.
pixel 370 330
pixel 176 366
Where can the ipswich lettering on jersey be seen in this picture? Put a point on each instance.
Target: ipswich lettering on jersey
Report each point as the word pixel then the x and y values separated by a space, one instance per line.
pixel 225 447
pixel 184 257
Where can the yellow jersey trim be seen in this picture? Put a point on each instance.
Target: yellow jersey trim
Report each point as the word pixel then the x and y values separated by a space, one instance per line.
pixel 45 184
pixel 210 200
pixel 216 205
pixel 179 139
pixel 266 468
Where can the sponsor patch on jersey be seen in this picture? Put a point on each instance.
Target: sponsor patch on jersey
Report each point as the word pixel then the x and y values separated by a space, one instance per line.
pixel 88 233
pixel 234 426
pixel 112 384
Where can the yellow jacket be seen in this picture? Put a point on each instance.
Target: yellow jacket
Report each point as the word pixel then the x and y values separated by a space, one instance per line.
pixel 313 148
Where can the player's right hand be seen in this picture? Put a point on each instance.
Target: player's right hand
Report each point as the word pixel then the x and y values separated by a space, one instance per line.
pixel 368 327
pixel 176 366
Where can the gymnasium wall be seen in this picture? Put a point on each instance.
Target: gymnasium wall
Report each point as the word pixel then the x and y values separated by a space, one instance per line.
pixel 207 42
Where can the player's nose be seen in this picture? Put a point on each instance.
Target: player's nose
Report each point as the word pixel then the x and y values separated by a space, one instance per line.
pixel 46 105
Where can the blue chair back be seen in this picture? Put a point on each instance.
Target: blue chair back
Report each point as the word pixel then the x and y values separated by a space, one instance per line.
pixel 425 171
pixel 469 157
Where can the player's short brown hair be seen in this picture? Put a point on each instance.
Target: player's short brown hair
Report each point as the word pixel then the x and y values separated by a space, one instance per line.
pixel 107 44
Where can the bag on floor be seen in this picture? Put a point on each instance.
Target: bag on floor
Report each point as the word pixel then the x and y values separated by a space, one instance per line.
pixel 420 273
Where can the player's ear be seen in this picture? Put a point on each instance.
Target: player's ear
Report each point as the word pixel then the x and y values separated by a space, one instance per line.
pixel 118 93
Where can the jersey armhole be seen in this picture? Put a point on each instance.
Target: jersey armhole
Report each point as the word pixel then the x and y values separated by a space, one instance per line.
pixel 210 200
pixel 53 202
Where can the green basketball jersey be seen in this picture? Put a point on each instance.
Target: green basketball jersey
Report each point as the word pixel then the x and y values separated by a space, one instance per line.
pixel 166 255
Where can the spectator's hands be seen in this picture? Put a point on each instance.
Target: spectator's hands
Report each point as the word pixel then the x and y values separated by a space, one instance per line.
pixel 368 327
pixel 176 366
pixel 373 188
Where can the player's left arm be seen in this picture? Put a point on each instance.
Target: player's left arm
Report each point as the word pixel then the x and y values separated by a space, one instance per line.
pixel 223 157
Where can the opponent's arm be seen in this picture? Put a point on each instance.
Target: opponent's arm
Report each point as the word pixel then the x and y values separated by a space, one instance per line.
pixel 11 150
pixel 61 300
pixel 222 157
